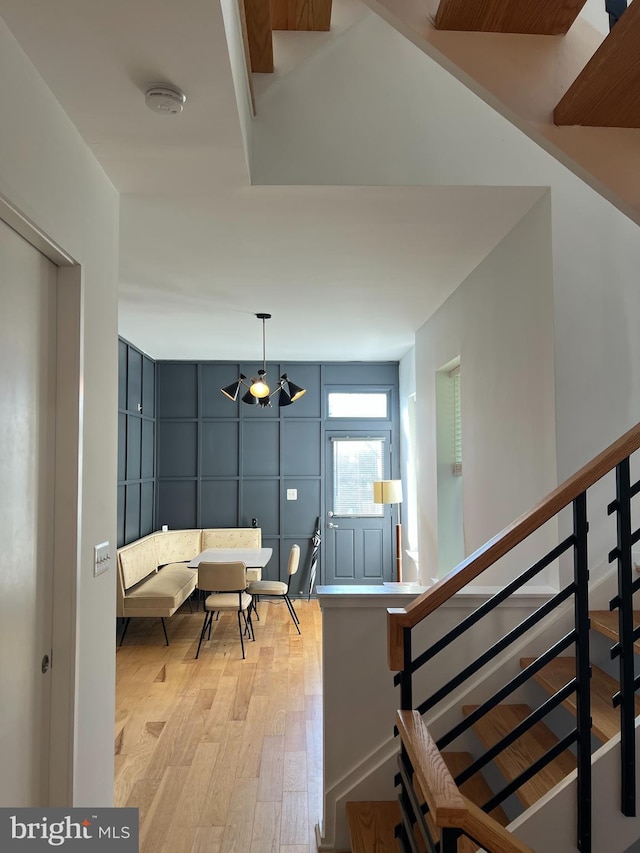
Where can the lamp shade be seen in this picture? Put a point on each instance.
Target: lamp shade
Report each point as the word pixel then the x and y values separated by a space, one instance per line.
pixel 283 398
pixel 387 492
pixel 231 391
pixel 294 391
pixel 259 392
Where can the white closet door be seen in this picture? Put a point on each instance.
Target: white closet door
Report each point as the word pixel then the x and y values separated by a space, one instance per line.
pixel 27 410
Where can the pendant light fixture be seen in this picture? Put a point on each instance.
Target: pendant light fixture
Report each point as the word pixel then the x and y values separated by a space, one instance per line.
pixel 259 393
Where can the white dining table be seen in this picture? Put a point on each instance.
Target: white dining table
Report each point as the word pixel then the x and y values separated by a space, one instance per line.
pixel 255 559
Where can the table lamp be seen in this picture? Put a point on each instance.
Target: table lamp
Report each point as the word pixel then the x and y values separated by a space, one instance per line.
pixel 390 492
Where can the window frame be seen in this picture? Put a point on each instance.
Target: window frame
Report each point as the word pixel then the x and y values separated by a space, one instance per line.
pixel 358 390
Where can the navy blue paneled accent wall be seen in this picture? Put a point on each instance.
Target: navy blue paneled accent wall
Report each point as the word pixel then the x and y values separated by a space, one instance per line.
pixel 136 443
pixel 222 464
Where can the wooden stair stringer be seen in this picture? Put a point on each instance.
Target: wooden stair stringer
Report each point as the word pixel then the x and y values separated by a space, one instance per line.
pixel 517 757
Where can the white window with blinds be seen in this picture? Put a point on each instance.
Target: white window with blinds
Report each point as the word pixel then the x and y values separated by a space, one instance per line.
pixel 357 463
pixel 454 375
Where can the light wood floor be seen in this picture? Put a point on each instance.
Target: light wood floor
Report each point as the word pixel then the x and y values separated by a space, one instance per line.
pixel 221 754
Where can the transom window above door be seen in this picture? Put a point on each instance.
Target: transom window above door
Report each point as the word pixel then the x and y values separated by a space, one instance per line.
pixel 358 404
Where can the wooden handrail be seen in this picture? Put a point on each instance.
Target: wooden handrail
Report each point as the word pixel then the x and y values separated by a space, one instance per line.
pixel 469 569
pixel 447 806
pixel 445 802
pixel 490 833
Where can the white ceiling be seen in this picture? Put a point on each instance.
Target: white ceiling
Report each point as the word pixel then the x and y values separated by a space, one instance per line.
pixel 348 273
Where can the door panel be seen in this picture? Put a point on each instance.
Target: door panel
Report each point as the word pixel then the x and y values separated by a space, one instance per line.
pixel 344 554
pixel 373 544
pixel 358 542
pixel 27 451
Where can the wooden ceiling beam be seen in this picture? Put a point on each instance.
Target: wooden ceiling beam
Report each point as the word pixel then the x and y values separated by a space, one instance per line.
pixel 537 17
pixel 301 15
pixel 258 16
pixel 606 93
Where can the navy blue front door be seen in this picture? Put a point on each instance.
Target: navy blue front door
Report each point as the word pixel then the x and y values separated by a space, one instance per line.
pixel 358 538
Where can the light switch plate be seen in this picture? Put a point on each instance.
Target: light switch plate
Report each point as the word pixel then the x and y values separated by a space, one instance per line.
pixel 101 558
pixel 292 494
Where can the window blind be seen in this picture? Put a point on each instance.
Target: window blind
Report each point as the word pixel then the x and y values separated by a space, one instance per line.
pixel 357 463
pixel 457 421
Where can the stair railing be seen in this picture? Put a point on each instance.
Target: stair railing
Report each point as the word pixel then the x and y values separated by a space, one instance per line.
pixel 624 648
pixel 401 622
pixel 450 814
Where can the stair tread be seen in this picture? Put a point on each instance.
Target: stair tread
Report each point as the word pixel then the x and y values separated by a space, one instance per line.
pixel 371 826
pixel 606 622
pixel 606 718
pixel 476 788
pixel 517 757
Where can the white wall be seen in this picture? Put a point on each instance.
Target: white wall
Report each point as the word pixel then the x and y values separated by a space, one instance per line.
pixel 500 322
pixel 373 109
pixel 408 462
pixel 48 173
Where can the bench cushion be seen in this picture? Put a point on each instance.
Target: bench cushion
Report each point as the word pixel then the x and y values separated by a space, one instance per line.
pixel 175 546
pixel 232 537
pixel 137 560
pixel 162 592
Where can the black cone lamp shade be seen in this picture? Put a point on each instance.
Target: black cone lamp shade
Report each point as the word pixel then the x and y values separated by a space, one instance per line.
pixel 258 390
pixel 231 391
pixel 283 398
pixel 295 391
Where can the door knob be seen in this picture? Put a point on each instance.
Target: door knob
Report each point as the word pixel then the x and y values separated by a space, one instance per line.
pixel 331 525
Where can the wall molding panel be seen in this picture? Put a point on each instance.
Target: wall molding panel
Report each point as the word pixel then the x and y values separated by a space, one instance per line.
pixel 222 464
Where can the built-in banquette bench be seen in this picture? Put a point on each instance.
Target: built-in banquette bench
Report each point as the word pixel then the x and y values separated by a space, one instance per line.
pixel 153 579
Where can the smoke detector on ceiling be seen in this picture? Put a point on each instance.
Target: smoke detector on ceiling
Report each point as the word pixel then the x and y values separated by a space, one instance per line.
pixel 165 99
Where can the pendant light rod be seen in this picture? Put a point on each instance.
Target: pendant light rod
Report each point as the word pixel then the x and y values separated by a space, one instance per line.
pixel 264 317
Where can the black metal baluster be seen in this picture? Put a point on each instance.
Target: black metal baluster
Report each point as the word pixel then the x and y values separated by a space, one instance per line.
pixel 406 676
pixel 449 840
pixel 614 9
pixel 583 670
pixel 625 629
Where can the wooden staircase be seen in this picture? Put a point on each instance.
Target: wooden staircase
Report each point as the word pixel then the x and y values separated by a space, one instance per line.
pixel 372 824
pixel 512 740
pixel 261 17
pixel 523 752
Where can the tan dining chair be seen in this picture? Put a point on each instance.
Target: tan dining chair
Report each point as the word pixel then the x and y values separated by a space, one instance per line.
pixel 278 589
pixel 226 584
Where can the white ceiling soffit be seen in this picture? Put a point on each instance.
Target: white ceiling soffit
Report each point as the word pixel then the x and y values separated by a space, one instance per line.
pixel 99 58
pixel 348 273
